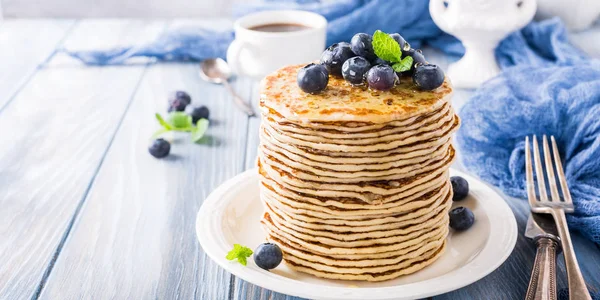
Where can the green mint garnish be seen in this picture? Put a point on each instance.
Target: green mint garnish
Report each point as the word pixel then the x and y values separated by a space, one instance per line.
pixel 180 121
pixel 240 253
pixel 386 47
pixel 404 65
pixel 199 131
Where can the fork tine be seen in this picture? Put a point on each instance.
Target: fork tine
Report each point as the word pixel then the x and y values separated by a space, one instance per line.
pixel 550 170
pixel 561 174
pixel 529 174
pixel 539 171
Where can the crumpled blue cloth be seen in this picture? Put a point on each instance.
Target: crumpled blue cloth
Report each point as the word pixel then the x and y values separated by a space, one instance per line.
pixel 554 90
pixel 346 17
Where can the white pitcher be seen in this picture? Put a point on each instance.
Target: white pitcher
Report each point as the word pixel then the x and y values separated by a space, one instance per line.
pixel 480 25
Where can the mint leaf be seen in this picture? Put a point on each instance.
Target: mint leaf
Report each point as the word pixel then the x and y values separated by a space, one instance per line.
pixel 404 65
pixel 240 253
pixel 386 47
pixel 199 130
pixel 180 120
pixel 162 122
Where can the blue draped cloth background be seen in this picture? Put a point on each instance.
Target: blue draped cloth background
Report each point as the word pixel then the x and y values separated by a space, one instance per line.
pixel 547 87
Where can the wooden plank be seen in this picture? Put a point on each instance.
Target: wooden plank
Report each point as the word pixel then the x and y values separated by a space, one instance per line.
pixel 135 237
pixel 58 129
pixel 24 44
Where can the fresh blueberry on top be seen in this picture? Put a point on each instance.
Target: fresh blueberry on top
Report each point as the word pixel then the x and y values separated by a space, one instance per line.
pixel 362 45
pixel 313 78
pixel 159 148
pixel 428 77
pixel 268 256
pixel 334 57
pixel 418 59
pixel 461 218
pixel 404 46
pixel 179 100
pixel 460 186
pixel 355 69
pixel 199 112
pixel 381 77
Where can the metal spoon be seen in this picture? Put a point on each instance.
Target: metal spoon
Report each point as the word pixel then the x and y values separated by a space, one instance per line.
pixel 217 71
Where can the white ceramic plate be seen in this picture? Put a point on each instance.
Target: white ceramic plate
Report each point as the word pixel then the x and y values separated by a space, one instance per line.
pixel 232 212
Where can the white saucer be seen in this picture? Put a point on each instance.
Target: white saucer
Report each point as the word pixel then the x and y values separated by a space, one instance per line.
pixel 232 212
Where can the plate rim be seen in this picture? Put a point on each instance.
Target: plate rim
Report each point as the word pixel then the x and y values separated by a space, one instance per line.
pixel 479 267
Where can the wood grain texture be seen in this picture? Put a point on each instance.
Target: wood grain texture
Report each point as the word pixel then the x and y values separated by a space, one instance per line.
pixel 135 237
pixel 56 130
pixel 24 45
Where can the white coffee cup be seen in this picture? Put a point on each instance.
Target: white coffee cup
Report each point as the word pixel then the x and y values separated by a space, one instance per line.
pixel 257 53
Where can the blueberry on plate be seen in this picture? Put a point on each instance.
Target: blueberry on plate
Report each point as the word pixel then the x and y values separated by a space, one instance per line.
pixel 379 61
pixel 362 45
pixel 461 218
pixel 268 256
pixel 179 100
pixel 418 59
pixel 381 77
pixel 460 186
pixel 334 57
pixel 428 77
pixel 355 69
pixel 199 112
pixel 404 46
pixel 313 78
pixel 159 148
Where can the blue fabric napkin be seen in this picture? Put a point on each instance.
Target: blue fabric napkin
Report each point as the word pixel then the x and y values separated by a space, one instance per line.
pixel 346 17
pixel 547 87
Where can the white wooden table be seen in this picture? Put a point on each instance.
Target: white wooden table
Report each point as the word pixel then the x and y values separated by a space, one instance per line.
pixel 87 213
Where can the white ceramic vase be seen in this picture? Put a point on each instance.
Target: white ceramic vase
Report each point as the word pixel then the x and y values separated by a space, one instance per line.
pixel 480 25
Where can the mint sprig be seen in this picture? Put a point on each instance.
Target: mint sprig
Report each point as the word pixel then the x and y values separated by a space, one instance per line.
pixel 388 49
pixel 239 253
pixel 180 121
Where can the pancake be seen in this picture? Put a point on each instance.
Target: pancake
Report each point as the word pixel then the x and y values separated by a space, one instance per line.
pixel 344 102
pixel 354 182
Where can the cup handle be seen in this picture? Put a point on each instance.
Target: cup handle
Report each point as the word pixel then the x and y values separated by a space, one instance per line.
pixel 233 55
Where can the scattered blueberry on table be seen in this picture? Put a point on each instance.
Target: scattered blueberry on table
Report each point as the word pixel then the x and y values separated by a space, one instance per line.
pixel 461 218
pixel 371 60
pixel 460 186
pixel 159 148
pixel 313 78
pixel 179 100
pixel 267 256
pixel 200 112
pixel 334 57
pixel 355 69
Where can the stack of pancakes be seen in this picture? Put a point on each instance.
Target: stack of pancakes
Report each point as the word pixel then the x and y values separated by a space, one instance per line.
pixel 355 182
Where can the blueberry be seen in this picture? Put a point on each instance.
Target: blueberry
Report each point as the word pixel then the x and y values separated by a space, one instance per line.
pixel 404 46
pixel 428 77
pixel 381 77
pixel 159 148
pixel 200 112
pixel 362 45
pixel 355 69
pixel 268 256
pixel 313 78
pixel 335 56
pixel 460 186
pixel 179 100
pixel 418 59
pixel 461 218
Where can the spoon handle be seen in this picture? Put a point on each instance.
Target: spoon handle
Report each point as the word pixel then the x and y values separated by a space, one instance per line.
pixel 238 100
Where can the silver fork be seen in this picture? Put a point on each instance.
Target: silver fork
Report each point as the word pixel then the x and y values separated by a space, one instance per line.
pixel 555 206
